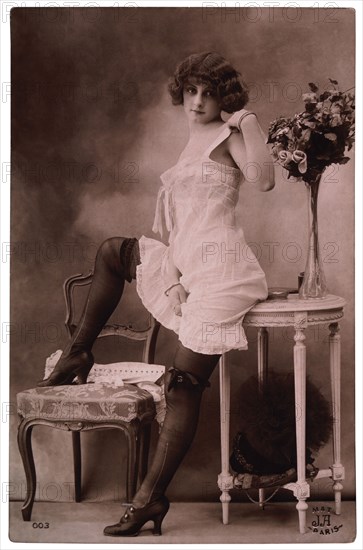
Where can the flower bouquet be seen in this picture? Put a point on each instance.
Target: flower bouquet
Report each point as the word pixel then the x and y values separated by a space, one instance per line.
pixel 305 145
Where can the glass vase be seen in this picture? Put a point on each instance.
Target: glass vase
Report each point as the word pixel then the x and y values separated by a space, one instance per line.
pixel 314 282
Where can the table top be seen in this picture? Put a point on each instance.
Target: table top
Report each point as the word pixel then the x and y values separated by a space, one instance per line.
pixel 294 303
pixel 295 311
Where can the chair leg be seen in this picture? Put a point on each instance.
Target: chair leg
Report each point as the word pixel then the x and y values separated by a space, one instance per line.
pixel 26 452
pixel 132 434
pixel 77 465
pixel 145 434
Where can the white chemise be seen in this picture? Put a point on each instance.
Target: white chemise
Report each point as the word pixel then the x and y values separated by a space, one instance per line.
pixel 196 203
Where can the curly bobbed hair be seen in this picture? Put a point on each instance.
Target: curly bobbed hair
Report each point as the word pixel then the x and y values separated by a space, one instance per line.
pixel 213 69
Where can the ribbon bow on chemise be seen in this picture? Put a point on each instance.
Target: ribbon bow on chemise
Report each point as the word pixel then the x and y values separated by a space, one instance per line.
pixel 163 211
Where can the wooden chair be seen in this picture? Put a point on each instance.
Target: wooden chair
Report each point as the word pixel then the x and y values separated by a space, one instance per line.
pixel 95 405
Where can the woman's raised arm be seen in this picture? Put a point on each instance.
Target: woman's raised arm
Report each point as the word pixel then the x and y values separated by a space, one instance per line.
pixel 249 150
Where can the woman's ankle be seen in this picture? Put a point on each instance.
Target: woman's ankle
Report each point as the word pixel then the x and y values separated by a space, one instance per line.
pixel 74 350
pixel 140 501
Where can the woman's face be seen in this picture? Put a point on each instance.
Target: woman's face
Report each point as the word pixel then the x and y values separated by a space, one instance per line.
pixel 200 102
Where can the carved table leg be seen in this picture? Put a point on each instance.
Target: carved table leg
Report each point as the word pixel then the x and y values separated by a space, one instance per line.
pixel 301 488
pixel 262 366
pixel 26 452
pixel 337 469
pixel 225 480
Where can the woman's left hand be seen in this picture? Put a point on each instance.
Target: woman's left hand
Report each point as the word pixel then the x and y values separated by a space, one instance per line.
pixel 177 296
pixel 234 121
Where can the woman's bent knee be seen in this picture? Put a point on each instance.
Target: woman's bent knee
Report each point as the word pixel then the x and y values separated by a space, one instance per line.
pixel 114 254
pixel 110 247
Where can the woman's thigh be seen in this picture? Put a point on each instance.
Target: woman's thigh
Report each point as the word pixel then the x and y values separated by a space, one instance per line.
pixel 198 364
pixel 130 256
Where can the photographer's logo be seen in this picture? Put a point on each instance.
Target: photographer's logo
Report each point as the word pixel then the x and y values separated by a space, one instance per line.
pixel 322 521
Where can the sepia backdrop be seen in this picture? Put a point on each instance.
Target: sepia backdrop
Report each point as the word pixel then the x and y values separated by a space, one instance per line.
pixel 92 129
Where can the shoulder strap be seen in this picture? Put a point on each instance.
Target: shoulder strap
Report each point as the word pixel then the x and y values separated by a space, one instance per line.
pixel 219 139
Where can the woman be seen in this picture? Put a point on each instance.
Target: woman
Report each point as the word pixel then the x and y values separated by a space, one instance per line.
pixel 203 283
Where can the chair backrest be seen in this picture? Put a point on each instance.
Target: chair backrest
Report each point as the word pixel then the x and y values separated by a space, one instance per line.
pixel 147 336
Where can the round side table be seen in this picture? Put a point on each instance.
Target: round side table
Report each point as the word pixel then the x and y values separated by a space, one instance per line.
pixel 299 314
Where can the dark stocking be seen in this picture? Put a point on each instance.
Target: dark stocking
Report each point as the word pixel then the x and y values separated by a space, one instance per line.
pixel 184 386
pixel 116 262
pixel 112 268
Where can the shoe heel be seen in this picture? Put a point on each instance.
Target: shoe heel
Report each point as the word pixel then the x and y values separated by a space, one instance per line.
pixel 157 524
pixel 82 374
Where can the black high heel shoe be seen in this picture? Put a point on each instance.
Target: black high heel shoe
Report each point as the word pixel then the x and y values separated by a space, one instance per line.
pixel 134 518
pixel 68 368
